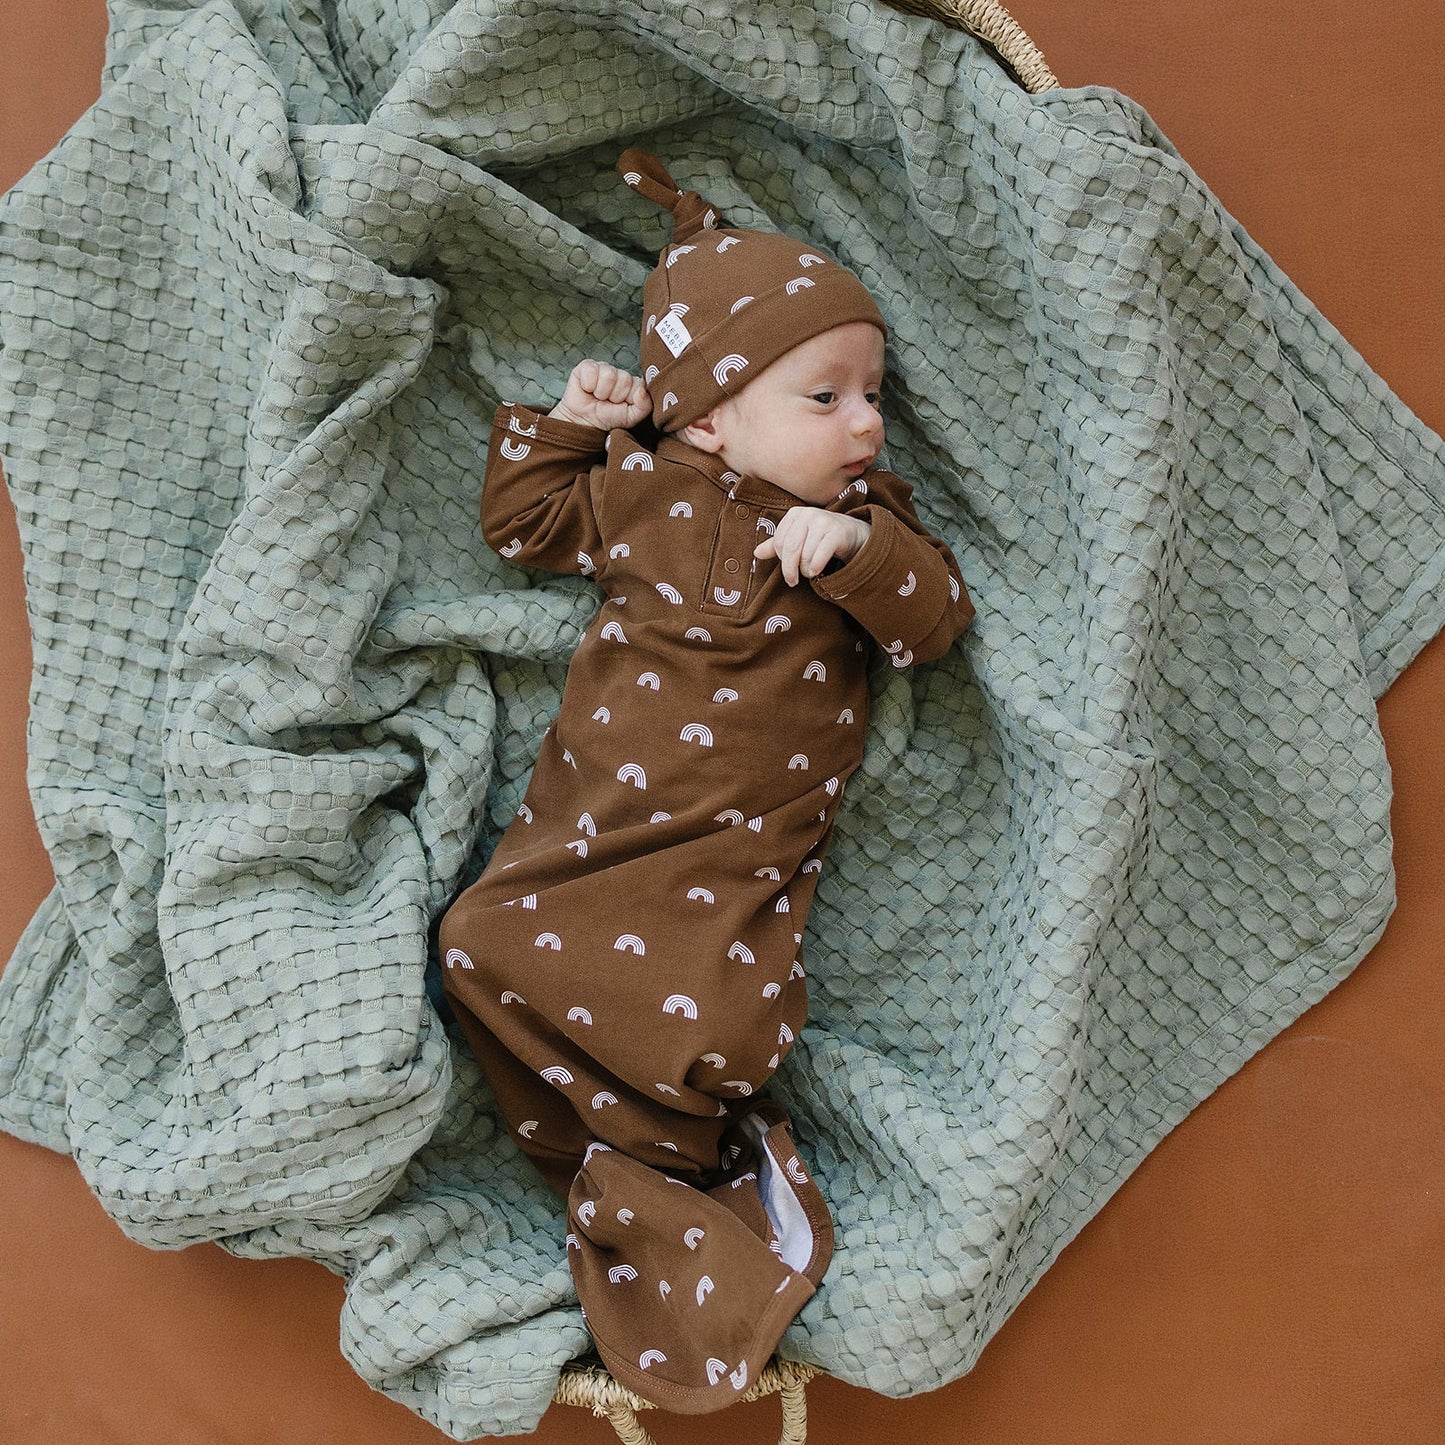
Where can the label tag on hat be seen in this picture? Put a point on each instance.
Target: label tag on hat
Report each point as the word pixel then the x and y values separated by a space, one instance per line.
pixel 674 333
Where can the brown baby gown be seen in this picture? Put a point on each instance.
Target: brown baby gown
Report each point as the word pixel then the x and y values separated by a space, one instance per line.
pixel 628 970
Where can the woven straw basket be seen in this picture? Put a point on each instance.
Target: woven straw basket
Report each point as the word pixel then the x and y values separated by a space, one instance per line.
pixel 588 1383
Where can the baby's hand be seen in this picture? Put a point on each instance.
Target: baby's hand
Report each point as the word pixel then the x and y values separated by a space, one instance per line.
pixel 601 395
pixel 808 538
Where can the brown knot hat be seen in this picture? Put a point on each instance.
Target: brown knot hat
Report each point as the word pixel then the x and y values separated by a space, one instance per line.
pixel 722 303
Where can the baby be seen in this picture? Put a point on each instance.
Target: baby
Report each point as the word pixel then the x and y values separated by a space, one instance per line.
pixel 628 969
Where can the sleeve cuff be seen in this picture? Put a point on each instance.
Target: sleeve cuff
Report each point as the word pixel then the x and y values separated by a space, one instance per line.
pixel 531 422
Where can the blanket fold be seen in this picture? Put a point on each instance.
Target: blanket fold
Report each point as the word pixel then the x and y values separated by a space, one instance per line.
pixel 256 312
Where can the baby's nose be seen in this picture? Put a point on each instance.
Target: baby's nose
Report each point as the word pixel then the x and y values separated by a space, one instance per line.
pixel 866 420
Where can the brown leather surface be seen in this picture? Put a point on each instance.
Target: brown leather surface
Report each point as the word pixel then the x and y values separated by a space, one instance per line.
pixel 1275 1271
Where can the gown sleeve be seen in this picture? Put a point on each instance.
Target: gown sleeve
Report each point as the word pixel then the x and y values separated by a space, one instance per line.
pixel 542 493
pixel 903 587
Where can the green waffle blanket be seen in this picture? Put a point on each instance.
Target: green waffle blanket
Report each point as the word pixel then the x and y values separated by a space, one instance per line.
pixel 258 307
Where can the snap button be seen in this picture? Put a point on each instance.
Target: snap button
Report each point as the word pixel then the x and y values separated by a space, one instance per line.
pixel 731 565
pixel 743 512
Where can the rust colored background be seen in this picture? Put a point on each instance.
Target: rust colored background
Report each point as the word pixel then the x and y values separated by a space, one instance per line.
pixel 1275 1271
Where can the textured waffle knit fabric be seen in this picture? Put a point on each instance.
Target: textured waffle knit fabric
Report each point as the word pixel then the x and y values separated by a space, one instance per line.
pixel 629 969
pixel 258 309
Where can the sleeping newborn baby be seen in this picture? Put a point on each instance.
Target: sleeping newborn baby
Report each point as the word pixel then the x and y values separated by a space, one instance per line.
pixel 628 970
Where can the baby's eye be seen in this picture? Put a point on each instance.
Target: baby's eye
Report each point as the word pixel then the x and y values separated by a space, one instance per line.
pixel 874 398
pixel 825 397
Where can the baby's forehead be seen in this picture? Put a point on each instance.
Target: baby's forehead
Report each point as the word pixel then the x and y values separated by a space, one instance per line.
pixel 856 347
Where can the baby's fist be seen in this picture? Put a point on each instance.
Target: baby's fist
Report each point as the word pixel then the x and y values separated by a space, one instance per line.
pixel 602 395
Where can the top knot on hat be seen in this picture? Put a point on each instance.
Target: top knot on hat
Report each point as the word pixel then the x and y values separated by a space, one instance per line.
pixel 723 303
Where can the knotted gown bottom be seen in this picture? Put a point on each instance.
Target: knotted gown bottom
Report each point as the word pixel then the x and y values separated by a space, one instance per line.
pixel 628 979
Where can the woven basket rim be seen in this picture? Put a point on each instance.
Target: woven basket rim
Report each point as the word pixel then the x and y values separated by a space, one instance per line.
pixel 991 23
pixel 587 1382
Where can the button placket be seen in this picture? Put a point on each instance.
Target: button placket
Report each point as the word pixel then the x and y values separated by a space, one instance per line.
pixel 730 575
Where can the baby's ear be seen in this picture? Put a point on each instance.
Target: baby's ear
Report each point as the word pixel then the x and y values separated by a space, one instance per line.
pixel 703 433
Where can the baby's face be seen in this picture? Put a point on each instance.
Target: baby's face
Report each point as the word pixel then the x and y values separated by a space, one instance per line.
pixel 810 423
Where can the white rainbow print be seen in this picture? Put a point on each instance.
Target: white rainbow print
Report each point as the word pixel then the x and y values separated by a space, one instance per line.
pixel 620 1272
pixel 809 259
pixel 637 462
pixel 579 1015
pixel 728 241
pixel 730 816
pixel 512 548
pixel 777 623
pixel 619 549
pixel 680 1003
pixel 586 825
pixel 548 940
pixel 648 1358
pixel 457 959
pixel 698 634
pixel 556 1074
pixel 906 590
pixel 726 597
pixel 718 1062
pixel 669 401
pixel 585 564
pixel 632 773
pixel 801 283
pixel 514 424
pixel 667 590
pixel 649 680
pixel 768 872
pixel 729 366
pixel 680 509
pixel 815 671
pixel 798 763
pixel 515 451
pixel 697 733
pixel 694 1237
pixel 602 1098
pixel 660 817
pixel 579 847
pixel 725 694
pixel 704 1289
pixel 527 1128
pixel 524 812
pixel 630 943
pixel 700 895
pixel 741 1085
pixel 512 996
pixel 673 256
pixel 772 990
pixel 741 952
pixel 602 715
